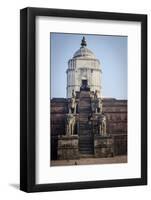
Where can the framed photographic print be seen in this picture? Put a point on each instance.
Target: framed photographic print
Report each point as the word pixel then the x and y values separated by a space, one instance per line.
pixel 83 99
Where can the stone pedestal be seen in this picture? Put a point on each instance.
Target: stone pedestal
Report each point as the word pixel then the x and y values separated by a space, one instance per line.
pixel 68 147
pixel 103 146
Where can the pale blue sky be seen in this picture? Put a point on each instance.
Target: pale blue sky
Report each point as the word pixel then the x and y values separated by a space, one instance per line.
pixel 110 50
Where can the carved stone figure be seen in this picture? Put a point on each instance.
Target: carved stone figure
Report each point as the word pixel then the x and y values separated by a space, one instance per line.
pixel 93 106
pixel 96 103
pixel 73 94
pixel 100 125
pixel 103 125
pixel 92 95
pixel 70 124
pixel 96 94
pixel 99 105
pixel 72 105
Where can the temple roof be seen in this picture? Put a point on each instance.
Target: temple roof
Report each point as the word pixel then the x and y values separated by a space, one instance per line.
pixel 84 51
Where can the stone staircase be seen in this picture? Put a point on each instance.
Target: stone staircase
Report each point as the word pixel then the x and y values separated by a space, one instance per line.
pixel 86 141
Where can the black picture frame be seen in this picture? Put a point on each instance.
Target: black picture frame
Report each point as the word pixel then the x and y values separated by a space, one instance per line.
pixel 28 98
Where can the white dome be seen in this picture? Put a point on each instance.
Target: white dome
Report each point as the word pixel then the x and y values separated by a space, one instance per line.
pixel 84 52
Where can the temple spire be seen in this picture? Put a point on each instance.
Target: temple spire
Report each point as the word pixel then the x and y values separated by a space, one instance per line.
pixel 83 42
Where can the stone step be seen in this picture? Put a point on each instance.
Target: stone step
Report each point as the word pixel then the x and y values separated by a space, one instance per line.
pixel 84 110
pixel 84 124
pixel 85 98
pixel 85 128
pixel 86 140
pixel 85 132
pixel 83 120
pixel 86 115
pixel 86 148
pixel 85 144
pixel 86 155
pixel 86 151
pixel 84 102
pixel 85 107
pixel 84 95
pixel 90 137
pixel 84 135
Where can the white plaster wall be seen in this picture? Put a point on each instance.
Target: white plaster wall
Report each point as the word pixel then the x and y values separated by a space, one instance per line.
pixel 83 69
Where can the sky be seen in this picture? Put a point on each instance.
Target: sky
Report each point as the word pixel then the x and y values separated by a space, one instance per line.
pixel 110 50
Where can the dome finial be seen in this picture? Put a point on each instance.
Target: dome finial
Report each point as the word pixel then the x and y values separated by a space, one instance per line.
pixel 83 42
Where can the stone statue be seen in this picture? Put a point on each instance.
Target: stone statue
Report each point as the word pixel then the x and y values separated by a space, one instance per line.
pixel 103 125
pixel 72 103
pixel 99 105
pixel 92 95
pixel 96 103
pixel 73 94
pixel 93 106
pixel 100 125
pixel 70 124
pixel 96 94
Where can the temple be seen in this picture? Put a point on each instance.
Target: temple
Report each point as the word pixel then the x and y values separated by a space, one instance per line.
pixel 83 68
pixel 84 124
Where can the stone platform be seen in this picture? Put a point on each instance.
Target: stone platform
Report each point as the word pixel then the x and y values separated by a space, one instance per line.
pixel 68 147
pixel 103 146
